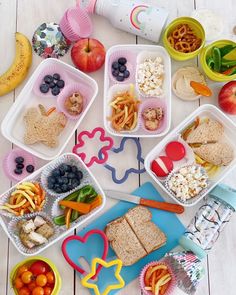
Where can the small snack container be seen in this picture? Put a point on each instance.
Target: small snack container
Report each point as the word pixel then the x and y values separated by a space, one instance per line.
pixel 126 65
pixel 13 222
pixel 28 262
pixel 205 113
pixel 16 124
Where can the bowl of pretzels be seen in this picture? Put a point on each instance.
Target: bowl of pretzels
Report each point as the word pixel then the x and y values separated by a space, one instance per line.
pixel 184 38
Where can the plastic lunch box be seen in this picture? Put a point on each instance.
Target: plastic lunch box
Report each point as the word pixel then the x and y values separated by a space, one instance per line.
pixel 61 231
pixel 209 111
pixel 136 54
pixel 13 126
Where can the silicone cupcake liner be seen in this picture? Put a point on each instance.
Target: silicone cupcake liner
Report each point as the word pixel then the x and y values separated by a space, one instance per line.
pixel 12 228
pixel 64 159
pixel 76 24
pixel 9 164
pixel 154 103
pixel 52 69
pixel 131 57
pixel 4 198
pixel 189 201
pixel 68 91
pixel 111 93
pixel 172 284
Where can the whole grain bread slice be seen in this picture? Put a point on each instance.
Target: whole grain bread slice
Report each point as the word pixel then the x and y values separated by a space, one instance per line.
pixel 207 132
pixel 149 235
pixel 124 241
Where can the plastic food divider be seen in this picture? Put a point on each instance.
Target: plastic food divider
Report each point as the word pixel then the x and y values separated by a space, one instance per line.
pixel 166 221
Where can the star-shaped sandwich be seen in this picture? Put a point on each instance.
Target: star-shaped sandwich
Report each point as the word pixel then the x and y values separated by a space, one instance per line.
pixel 85 281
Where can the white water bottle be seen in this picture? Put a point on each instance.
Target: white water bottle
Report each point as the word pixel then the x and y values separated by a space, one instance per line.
pixel 133 16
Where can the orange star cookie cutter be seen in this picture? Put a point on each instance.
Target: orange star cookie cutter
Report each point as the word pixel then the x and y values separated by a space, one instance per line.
pixel 95 261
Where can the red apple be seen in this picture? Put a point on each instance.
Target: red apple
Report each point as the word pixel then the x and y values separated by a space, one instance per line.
pixel 227 98
pixel 88 55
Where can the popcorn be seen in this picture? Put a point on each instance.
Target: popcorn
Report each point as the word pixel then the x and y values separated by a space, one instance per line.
pixel 150 77
pixel 188 182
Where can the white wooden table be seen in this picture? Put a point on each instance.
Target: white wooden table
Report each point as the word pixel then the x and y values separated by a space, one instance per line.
pixel 24 16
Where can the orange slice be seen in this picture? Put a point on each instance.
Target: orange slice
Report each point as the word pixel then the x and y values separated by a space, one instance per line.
pixel 201 89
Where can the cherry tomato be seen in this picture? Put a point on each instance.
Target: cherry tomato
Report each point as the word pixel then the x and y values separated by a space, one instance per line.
pixel 41 280
pixel 32 285
pixel 24 291
pixel 47 291
pixel 27 277
pixel 50 277
pixel 22 269
pixel 39 267
pixel 38 291
pixel 18 283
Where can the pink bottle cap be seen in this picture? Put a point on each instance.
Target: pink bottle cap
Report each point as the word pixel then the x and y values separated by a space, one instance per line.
pixel 88 5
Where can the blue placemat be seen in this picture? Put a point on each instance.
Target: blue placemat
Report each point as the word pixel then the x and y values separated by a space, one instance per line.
pixel 167 222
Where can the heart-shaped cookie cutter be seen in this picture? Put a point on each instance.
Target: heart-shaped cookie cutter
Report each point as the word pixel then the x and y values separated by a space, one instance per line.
pixel 103 151
pixel 84 240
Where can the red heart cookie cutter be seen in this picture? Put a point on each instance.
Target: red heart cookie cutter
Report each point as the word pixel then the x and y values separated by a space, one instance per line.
pixel 84 240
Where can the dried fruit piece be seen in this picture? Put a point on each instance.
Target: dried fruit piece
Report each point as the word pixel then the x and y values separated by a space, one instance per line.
pixel 200 88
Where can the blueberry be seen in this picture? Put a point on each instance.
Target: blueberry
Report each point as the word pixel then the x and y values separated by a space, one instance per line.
pixel 71 175
pixel 18 171
pixel 56 76
pixel 58 190
pixel 44 88
pixel 56 185
pixel 60 180
pixel 126 74
pixel 65 180
pixel 20 166
pixel 70 187
pixel 30 168
pixel 60 83
pixel 120 78
pixel 50 185
pixel 122 69
pixel 62 172
pixel 48 79
pixel 79 175
pixel 52 85
pixel 75 182
pixel 64 188
pixel 122 60
pixel 51 179
pixel 74 169
pixel 19 160
pixel 56 172
pixel 115 73
pixel 68 168
pixel 115 65
pixel 55 91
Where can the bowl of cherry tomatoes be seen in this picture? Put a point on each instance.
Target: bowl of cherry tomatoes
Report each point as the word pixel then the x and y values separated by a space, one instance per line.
pixel 35 276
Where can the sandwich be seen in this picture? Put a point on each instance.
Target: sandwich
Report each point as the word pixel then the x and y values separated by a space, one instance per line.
pixel 134 235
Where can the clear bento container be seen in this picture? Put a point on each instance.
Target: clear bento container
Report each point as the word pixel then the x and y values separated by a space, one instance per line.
pixel 204 111
pixel 51 209
pixel 13 125
pixel 135 55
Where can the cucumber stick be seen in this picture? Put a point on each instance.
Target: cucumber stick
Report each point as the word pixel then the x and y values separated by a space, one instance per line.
pixel 217 58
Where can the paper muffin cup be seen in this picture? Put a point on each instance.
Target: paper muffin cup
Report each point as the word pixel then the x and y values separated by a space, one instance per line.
pixel 154 103
pixel 4 198
pixel 64 159
pixel 68 91
pixel 131 60
pixel 172 284
pixel 9 164
pixel 14 232
pixel 193 199
pixel 50 70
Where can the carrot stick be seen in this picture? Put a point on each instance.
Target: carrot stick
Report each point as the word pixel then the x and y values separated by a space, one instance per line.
pixel 96 202
pixel 77 206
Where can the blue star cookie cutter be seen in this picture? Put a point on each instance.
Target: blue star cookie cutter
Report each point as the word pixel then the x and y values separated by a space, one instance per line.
pixel 129 170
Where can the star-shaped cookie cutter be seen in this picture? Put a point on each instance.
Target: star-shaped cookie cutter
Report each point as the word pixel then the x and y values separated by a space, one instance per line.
pixel 129 170
pixel 103 151
pixel 95 261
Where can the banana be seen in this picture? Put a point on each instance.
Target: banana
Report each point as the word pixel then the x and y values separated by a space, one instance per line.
pixel 20 66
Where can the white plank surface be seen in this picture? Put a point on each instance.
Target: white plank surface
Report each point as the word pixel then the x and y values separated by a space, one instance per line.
pixel 24 16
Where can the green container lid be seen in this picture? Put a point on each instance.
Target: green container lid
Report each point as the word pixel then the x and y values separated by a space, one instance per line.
pixel 225 193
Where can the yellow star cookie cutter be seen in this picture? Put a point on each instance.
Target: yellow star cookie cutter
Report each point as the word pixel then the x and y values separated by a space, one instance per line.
pixel 105 264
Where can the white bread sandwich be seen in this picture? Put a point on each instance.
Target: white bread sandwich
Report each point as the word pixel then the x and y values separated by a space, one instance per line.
pixel 134 235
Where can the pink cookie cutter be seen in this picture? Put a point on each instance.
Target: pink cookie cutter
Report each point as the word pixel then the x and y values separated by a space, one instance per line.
pixel 103 152
pixel 84 240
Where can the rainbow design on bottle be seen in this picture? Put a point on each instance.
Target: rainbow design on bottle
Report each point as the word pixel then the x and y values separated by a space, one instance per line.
pixel 134 16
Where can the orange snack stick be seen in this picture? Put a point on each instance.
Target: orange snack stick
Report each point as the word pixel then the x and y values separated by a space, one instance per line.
pixel 201 89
